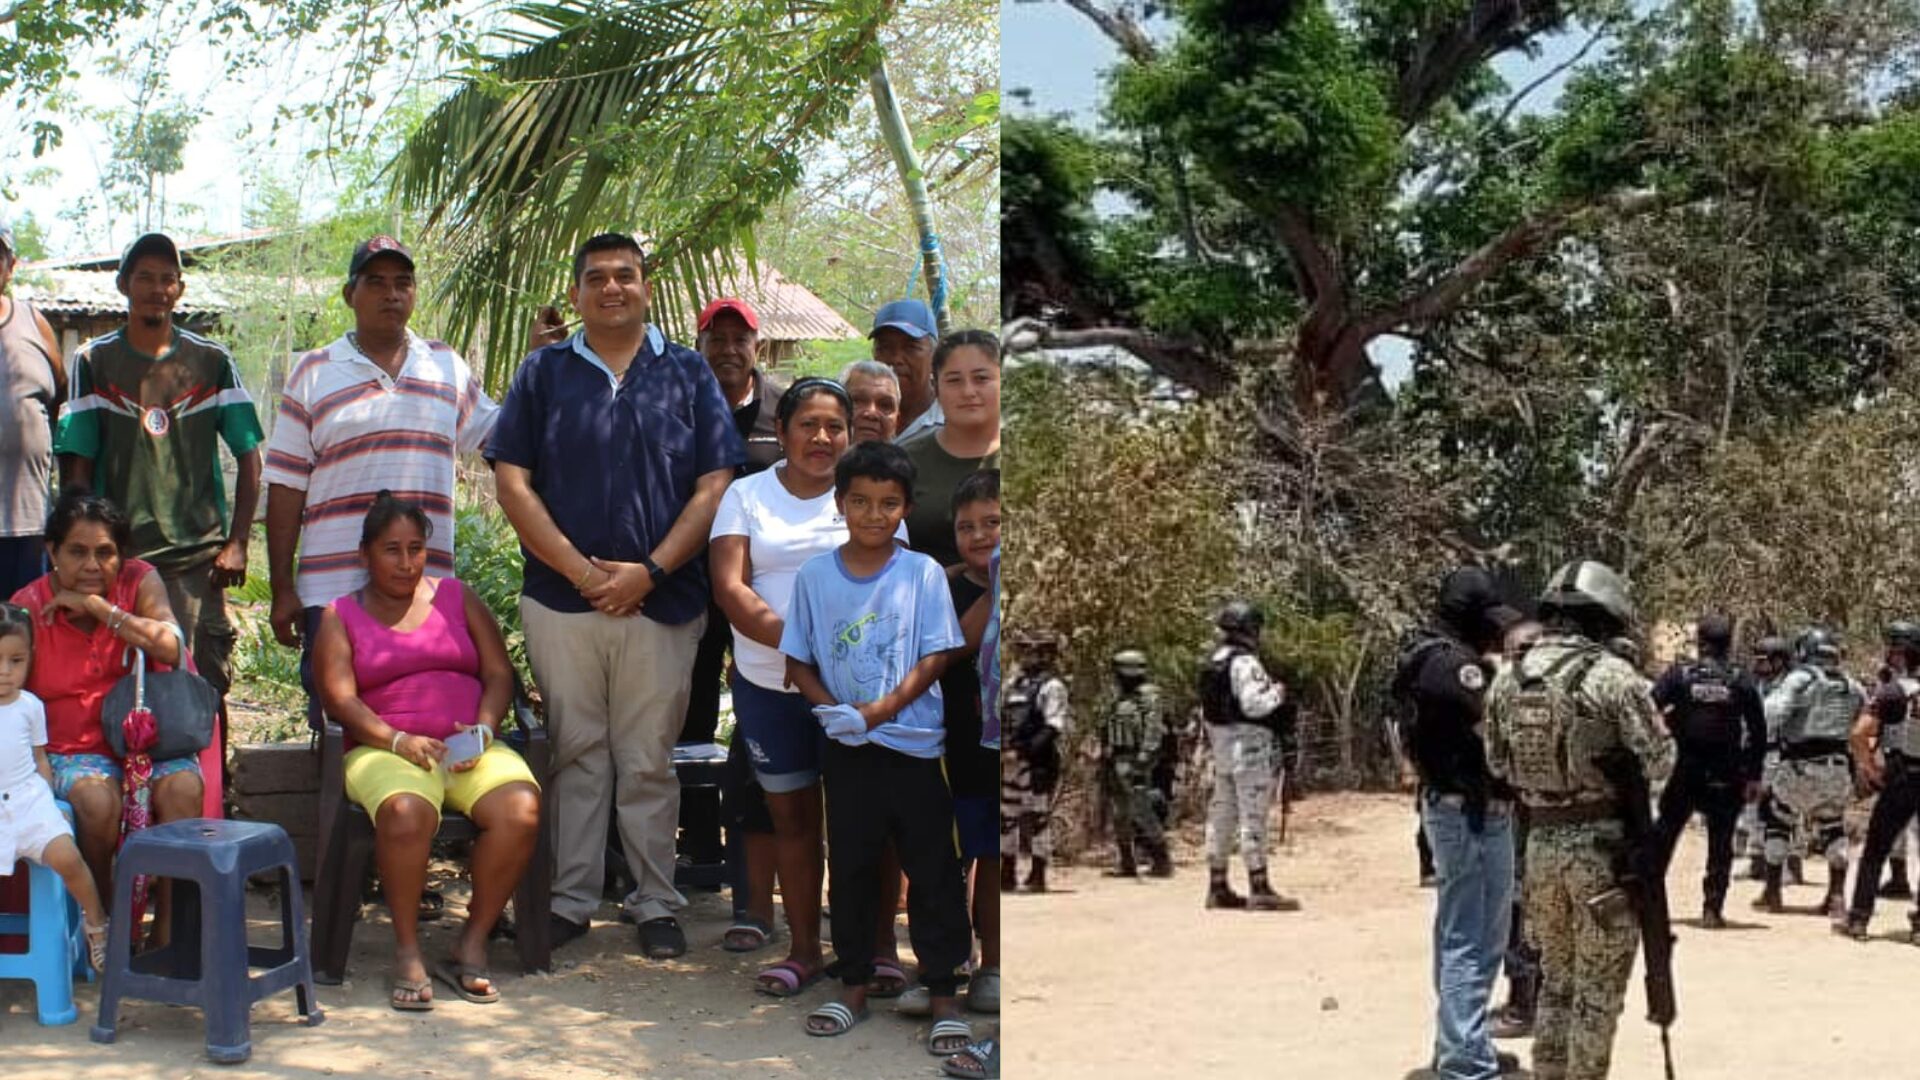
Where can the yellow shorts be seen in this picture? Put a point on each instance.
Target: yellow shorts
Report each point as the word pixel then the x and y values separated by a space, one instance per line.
pixel 375 774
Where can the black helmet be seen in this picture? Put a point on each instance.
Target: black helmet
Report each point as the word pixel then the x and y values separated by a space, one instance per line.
pixel 1774 646
pixel 1041 640
pixel 1240 617
pixel 1590 586
pixel 1819 643
pixel 1902 633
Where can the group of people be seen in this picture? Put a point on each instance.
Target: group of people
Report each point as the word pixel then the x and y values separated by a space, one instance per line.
pixel 838 537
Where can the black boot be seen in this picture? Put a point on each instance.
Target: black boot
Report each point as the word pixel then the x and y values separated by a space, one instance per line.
pixel 1757 868
pixel 1710 917
pixel 1795 872
pixel 1514 1020
pixel 1913 927
pixel 1037 877
pixel 1162 861
pixel 1128 866
pixel 1896 887
pixel 1009 873
pixel 1836 903
pixel 1851 925
pixel 1220 894
pixel 1769 899
pixel 1261 897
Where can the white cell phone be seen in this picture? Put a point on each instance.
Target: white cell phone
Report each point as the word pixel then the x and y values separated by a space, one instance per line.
pixel 464 746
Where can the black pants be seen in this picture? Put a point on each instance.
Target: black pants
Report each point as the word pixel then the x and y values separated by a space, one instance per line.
pixel 1897 804
pixel 873 795
pixel 1717 794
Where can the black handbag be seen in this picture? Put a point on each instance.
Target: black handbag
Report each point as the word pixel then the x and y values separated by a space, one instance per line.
pixel 183 706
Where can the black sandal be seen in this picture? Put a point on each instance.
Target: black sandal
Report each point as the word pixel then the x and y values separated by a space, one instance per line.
pixel 662 938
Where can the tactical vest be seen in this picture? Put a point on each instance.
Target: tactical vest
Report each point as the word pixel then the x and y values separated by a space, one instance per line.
pixel 1708 718
pixel 1021 709
pixel 1218 704
pixel 1824 708
pixel 1538 727
pixel 1132 723
pixel 1905 736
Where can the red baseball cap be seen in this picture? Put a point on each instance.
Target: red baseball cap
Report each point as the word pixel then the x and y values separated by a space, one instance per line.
pixel 728 303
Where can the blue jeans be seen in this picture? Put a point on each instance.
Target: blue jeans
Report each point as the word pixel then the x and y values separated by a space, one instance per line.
pixel 1469 932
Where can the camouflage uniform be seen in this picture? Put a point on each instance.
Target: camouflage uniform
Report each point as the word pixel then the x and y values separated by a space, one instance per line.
pixel 1587 957
pixel 1131 742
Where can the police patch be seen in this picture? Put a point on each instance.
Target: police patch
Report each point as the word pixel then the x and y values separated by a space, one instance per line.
pixel 1472 677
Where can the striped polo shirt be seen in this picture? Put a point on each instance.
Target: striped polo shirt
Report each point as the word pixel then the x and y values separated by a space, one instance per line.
pixel 346 431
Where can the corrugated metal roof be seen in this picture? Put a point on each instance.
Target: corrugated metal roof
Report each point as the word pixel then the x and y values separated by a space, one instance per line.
pixel 87 293
pixel 788 310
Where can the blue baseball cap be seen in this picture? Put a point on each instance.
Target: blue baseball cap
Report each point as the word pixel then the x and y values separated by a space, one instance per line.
pixel 911 317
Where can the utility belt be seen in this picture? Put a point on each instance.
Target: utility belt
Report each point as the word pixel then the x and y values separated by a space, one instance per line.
pixel 1453 800
pixel 1583 813
pixel 1814 749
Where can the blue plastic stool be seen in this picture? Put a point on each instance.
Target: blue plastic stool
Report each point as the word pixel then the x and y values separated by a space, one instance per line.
pixel 207 963
pixel 56 944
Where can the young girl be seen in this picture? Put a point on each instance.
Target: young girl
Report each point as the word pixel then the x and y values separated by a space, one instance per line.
pixel 31 826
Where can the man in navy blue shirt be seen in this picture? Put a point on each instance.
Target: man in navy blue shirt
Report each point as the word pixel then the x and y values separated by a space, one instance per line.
pixel 611 454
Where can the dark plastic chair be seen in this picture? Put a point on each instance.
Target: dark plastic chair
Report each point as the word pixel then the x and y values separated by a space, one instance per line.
pixel 702 773
pixel 346 851
pixel 208 963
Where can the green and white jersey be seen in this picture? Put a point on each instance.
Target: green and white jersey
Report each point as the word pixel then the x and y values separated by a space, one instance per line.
pixel 152 425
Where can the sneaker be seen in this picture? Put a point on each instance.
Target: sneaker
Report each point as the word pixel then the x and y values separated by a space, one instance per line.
pixel 915 1001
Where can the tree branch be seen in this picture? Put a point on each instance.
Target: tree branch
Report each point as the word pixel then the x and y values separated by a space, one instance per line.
pixel 1187 361
pixel 1120 26
pixel 1316 269
pixel 1520 240
pixel 1444 53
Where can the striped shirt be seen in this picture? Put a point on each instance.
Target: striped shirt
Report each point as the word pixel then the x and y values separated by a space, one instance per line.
pixel 152 426
pixel 347 430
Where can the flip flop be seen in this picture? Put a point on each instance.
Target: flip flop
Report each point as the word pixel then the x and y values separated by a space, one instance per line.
pixel 981 1061
pixel 747 926
pixel 786 979
pixel 843 1019
pixel 983 991
pixel 455 974
pixel 415 987
pixel 949 1028
pixel 896 979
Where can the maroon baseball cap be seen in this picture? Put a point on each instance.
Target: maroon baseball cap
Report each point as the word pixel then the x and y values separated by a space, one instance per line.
pixel 375 246
pixel 728 303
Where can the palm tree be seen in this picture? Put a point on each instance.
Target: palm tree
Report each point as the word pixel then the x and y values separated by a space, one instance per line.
pixel 679 120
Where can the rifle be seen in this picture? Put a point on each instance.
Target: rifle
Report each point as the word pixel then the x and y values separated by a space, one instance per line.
pixel 1642 879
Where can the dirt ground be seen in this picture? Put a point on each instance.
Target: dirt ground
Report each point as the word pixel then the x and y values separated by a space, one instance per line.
pixel 603 1012
pixel 1116 978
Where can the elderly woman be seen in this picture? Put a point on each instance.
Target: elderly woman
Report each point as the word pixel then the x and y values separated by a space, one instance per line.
pixel 89 608
pixel 408 664
pixel 875 392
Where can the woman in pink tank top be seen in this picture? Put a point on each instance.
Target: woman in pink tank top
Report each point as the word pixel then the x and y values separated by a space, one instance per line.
pixel 406 665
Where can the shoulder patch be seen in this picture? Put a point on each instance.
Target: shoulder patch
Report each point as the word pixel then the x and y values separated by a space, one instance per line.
pixel 1472 677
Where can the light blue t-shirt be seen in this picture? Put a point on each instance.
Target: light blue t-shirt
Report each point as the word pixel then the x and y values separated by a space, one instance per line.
pixel 866 633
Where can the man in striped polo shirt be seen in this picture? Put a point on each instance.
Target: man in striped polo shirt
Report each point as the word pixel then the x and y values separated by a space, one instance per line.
pixel 151 404
pixel 379 408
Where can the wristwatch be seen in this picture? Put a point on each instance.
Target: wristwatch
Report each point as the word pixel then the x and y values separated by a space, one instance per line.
pixel 653 568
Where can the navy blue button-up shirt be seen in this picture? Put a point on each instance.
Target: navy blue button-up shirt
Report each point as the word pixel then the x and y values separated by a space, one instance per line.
pixel 615 459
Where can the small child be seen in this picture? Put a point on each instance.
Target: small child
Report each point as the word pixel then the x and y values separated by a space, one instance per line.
pixel 31 826
pixel 973 769
pixel 868 633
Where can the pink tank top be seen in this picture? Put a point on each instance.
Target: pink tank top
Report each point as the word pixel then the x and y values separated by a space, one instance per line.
pixel 422 681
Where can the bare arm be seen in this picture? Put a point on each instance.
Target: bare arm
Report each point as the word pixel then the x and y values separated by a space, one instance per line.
pixel 339 694
pixel 230 565
pixel 732 568
pixel 806 679
pixel 43 765
pixel 973 621
pixel 151 626
pixel 285 507
pixel 53 357
pixel 922 676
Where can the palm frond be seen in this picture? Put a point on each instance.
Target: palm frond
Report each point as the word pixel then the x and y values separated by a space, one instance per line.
pixel 678 120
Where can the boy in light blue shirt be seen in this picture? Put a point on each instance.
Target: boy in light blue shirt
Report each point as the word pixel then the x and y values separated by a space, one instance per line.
pixel 869 631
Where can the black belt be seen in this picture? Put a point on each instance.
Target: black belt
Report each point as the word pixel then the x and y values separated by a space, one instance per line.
pixel 1574 814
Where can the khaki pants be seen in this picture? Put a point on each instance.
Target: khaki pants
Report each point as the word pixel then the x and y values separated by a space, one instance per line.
pixel 616 694
pixel 201 611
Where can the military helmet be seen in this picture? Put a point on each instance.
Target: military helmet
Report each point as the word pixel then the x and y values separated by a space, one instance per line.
pixel 1774 646
pixel 1902 633
pixel 1130 662
pixel 1819 643
pixel 1041 639
pixel 1587 584
pixel 1240 617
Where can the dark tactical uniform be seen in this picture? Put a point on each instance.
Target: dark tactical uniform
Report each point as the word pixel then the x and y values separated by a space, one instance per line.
pixel 1130 743
pixel 1896 707
pixel 1720 729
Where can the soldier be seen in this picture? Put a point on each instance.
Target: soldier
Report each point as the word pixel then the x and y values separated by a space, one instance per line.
pixel 1567 691
pixel 1241 706
pixel 1817 705
pixel 1886 745
pixel 1468 817
pixel 1035 709
pixel 1903 645
pixel 1720 727
pixel 1130 748
pixel 1514 1020
pixel 1772 657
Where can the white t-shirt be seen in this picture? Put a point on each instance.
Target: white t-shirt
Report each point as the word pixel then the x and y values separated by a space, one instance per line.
pixel 23 726
pixel 782 533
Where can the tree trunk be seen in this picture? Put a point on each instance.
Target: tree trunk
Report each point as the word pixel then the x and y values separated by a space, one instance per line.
pixel 893 128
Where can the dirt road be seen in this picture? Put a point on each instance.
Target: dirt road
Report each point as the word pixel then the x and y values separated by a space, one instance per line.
pixel 1113 978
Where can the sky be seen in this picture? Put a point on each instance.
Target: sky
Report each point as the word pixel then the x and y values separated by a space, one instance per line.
pixel 1060 57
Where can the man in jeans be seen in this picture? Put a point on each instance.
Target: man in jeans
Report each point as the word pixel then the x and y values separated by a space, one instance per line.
pixel 1467 816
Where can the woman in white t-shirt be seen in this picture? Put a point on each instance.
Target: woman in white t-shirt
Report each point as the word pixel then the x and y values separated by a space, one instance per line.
pixel 768 525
